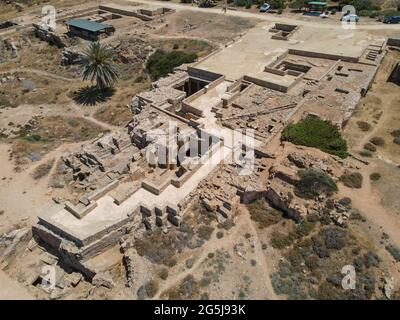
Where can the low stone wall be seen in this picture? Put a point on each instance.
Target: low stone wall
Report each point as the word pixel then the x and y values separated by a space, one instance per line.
pixel 48 36
pixel 203 74
pixel 155 189
pixel 322 55
pixel 267 84
pixel 141 13
pixel 391 41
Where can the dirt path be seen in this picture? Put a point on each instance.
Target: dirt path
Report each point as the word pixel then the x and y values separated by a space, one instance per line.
pixel 40 73
pixel 263 260
pixel 369 205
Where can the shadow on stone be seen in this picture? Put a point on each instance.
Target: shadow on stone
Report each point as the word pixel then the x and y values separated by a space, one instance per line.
pixel 91 95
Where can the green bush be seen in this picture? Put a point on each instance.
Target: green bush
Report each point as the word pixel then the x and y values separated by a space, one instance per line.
pixel 263 214
pixel 163 273
pixel 315 132
pixel 297 4
pixel 352 179
pixel 360 5
pixel 396 135
pixel 314 183
pixel 162 63
pixel 277 4
pixel 366 153
pixel 370 147
pixel 33 138
pixel 378 141
pixel 375 176
pixel 394 251
pixel 364 126
pixel 204 232
pixel 390 12
pixel 280 240
pixel 240 3
pixel 368 13
pixel 148 290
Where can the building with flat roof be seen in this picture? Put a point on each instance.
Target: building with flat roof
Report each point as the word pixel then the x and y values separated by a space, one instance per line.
pixel 87 29
pixel 316 6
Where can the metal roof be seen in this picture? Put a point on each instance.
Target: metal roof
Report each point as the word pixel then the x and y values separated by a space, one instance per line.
pixel 317 3
pixel 87 25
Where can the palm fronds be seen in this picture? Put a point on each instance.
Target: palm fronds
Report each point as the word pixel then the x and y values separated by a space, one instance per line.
pixel 97 65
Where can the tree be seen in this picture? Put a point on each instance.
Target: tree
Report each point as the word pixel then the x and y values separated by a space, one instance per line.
pixel 313 183
pixel 97 65
pixel 161 63
pixel 277 4
pixel 297 4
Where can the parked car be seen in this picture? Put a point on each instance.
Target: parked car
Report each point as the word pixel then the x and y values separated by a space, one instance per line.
pixel 350 18
pixel 391 19
pixel 264 7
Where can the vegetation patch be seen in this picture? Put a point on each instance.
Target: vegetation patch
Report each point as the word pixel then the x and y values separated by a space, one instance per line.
pixel 148 290
pixel 365 153
pixel 204 232
pixel 163 273
pixel 370 147
pixel 158 247
pixel 196 46
pixel 313 264
pixel 50 132
pixel 315 132
pixel 396 135
pixel 161 63
pixel 364 126
pixel 263 214
pixel 352 179
pixel 394 251
pixel 378 141
pixel 313 183
pixel 189 288
pixel 43 169
pixel 281 240
pixel 375 176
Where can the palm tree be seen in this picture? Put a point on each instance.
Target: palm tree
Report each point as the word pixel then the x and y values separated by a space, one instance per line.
pixel 97 64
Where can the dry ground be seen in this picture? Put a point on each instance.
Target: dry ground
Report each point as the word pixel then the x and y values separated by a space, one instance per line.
pixel 380 109
pixel 214 27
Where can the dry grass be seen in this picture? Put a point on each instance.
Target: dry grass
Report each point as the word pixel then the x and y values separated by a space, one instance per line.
pixel 51 132
pixel 116 111
pixel 199 47
pixel 214 27
pixel 45 90
pixel 43 169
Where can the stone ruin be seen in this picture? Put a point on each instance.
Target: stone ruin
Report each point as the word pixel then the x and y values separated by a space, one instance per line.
pixel 70 56
pixel 44 33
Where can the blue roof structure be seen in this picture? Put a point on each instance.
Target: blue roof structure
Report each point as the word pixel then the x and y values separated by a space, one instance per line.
pixel 88 25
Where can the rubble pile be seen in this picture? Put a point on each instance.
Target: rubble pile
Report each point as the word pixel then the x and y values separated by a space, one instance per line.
pixel 45 34
pixel 132 50
pixel 70 56
pixel 261 109
pixel 226 188
pixel 102 161
pixel 13 243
